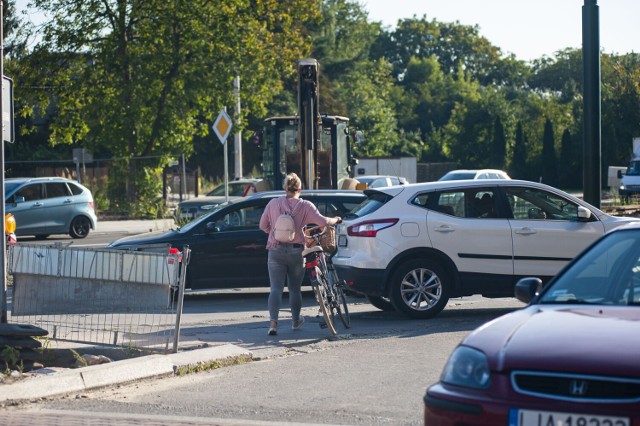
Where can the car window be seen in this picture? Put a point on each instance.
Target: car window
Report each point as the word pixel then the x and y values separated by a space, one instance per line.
pixel 334 209
pixel 538 204
pixel 458 176
pixel 240 219
pixel 379 183
pixel 57 189
pixel 10 186
pixel 322 207
pixel 347 207
pixel 609 273
pixel 468 203
pixel 373 202
pixel 331 207
pixel 30 192
pixel 236 189
pixel 75 189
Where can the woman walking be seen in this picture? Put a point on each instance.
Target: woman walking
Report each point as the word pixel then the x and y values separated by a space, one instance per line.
pixel 285 258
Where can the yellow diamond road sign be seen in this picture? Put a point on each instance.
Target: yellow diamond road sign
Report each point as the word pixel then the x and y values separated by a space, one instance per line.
pixel 222 126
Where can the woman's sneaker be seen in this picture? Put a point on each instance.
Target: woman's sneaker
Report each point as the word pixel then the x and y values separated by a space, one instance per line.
pixel 297 324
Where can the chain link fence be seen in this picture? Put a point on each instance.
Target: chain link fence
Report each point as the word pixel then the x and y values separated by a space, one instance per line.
pixel 131 299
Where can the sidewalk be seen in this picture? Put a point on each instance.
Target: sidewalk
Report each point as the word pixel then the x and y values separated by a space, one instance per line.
pixel 134 226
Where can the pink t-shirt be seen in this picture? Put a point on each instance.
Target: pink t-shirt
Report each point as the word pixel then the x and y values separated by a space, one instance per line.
pixel 304 213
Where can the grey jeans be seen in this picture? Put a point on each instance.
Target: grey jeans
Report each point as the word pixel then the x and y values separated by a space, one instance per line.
pixel 285 266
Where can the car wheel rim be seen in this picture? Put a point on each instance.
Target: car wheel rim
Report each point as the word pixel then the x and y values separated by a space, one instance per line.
pixel 421 289
pixel 81 227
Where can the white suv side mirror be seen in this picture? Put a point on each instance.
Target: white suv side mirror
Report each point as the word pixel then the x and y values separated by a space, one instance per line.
pixel 583 213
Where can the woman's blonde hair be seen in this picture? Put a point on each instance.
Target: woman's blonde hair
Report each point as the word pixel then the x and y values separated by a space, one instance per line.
pixel 292 183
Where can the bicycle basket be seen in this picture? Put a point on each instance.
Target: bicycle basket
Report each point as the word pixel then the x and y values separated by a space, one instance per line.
pixel 327 240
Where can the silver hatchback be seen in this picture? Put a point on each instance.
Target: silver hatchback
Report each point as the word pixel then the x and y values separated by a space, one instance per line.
pixel 50 205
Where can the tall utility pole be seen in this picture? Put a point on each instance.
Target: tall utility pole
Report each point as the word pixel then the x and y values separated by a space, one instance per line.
pixel 3 246
pixel 237 137
pixel 591 102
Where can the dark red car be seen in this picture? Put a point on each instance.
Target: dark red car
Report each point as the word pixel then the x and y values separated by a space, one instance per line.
pixel 570 358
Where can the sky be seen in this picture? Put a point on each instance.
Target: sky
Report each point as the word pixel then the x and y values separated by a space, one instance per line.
pixel 527 28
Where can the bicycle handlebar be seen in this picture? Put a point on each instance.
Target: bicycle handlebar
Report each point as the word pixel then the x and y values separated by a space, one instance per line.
pixel 307 232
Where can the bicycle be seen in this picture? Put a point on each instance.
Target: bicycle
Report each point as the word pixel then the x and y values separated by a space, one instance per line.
pixel 327 287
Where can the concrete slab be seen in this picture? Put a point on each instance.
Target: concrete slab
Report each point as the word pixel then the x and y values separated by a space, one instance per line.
pixel 128 370
pixel 43 386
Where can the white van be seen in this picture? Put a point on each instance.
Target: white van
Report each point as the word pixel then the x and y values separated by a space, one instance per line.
pixel 630 180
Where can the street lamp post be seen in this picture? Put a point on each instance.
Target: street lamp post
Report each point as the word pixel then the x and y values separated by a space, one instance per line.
pixel 3 246
pixel 591 102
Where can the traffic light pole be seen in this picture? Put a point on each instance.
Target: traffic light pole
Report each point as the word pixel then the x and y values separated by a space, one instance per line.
pixel 3 252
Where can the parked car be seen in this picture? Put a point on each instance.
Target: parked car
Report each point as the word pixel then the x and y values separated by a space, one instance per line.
pixel 377 181
pixel 569 358
pixel 195 207
pixel 227 246
pixel 50 205
pixel 475 174
pixel 413 247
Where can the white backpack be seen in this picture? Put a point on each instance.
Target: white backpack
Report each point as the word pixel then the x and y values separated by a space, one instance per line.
pixel 285 228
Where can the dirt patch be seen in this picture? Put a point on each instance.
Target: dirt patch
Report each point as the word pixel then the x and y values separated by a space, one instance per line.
pixel 17 364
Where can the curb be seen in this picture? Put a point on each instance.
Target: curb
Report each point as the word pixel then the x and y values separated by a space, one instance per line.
pixel 128 370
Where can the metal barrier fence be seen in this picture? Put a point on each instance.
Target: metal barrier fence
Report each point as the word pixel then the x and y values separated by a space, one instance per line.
pixel 131 299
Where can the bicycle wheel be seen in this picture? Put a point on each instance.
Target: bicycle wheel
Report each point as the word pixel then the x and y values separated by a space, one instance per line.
pixel 338 299
pixel 320 290
pixel 342 308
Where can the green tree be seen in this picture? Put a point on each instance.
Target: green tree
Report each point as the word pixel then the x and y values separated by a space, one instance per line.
pixel 519 161
pixel 143 78
pixel 366 90
pixel 570 172
pixel 549 163
pixel 454 45
pixel 499 144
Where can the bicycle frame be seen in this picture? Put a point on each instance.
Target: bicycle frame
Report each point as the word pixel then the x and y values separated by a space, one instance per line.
pixel 326 285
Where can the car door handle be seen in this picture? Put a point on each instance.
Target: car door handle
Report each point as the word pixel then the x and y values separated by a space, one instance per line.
pixel 525 231
pixel 444 228
pixel 67 201
pixel 38 204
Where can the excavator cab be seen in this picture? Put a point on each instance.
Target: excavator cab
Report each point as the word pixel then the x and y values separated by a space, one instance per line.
pixel 325 166
pixel 314 146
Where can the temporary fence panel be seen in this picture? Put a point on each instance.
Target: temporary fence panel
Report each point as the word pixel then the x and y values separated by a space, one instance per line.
pixel 104 296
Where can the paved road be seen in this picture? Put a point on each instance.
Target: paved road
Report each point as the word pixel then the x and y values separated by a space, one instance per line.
pixel 374 373
pixel 385 362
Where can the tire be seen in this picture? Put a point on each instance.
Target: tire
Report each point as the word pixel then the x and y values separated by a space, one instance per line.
pixel 382 303
pixel 80 227
pixel 320 290
pixel 341 307
pixel 420 289
pixel 42 236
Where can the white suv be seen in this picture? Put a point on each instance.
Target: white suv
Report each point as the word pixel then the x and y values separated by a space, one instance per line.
pixel 413 247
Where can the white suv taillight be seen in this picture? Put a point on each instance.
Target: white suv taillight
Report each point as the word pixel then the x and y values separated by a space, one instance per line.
pixel 370 228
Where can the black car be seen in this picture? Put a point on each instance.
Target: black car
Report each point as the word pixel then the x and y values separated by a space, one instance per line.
pixel 227 245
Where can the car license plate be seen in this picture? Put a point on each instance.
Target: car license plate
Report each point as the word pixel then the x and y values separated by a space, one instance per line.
pixel 342 240
pixel 553 418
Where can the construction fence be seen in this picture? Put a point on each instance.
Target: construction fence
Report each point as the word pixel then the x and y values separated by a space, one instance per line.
pixel 131 299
